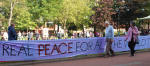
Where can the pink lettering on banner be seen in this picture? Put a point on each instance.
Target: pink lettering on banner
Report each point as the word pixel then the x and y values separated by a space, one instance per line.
pixel 55 48
pixel 39 46
pixel 69 47
pixel 62 45
pixel 45 48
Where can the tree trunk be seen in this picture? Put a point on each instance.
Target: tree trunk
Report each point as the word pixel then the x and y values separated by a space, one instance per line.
pixel 94 30
pixel 10 17
pixel 83 31
pixel 65 30
pixel 11 11
pixel 148 27
pixel 57 28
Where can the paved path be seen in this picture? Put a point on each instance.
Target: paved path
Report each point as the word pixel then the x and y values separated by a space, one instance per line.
pixel 141 59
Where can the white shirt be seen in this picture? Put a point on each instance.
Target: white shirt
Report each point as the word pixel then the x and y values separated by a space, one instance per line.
pixel 5 35
pixel 45 32
pixel 109 32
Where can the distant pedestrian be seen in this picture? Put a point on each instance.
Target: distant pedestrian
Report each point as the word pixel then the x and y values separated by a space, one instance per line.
pixel 91 34
pixel 12 35
pixel 109 34
pixel 5 36
pixel 37 35
pixel 87 34
pixel 45 32
pixel 2 38
pixel 30 35
pixel 97 34
pixel 132 37
pixel 19 36
pixel 75 35
pixel 58 35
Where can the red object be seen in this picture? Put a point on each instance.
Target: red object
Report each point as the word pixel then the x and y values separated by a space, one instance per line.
pixel 3 61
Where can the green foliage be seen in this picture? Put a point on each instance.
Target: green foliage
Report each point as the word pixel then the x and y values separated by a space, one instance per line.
pixel 65 12
pixel 23 20
pixel 75 11
pixel 44 10
pixel 3 23
pixel 1 16
pixel 34 13
pixel 21 16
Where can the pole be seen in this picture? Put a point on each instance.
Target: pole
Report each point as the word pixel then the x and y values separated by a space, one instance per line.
pixel 118 22
pixel 148 27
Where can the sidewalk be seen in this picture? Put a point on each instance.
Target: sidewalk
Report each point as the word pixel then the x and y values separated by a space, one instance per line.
pixel 141 59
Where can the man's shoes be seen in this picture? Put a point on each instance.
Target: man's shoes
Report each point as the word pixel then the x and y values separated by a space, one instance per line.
pixel 106 56
pixel 131 55
pixel 113 55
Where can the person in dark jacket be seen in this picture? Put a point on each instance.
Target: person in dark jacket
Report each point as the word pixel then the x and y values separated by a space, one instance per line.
pixel 12 35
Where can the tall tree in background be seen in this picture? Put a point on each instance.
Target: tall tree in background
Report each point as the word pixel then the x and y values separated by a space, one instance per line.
pixel 12 4
pixel 103 11
pixel 17 11
pixel 74 11
pixel 22 18
pixel 4 14
pixel 44 10
pixel 131 10
pixel 67 12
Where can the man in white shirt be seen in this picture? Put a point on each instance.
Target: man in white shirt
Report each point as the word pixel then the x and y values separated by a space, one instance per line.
pixel 45 33
pixel 19 35
pixel 109 34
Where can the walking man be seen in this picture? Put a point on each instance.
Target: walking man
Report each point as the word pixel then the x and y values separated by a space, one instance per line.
pixel 109 34
pixel 37 35
pixel 12 35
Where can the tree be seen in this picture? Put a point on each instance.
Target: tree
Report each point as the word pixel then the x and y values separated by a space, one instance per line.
pixel 23 19
pixel 74 11
pixel 17 11
pixel 2 19
pixel 12 5
pixel 4 12
pixel 131 10
pixel 44 10
pixel 103 11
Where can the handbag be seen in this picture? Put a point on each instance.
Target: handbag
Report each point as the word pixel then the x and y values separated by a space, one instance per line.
pixel 137 40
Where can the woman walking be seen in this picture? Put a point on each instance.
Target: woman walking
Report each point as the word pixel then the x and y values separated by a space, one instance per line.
pixel 132 37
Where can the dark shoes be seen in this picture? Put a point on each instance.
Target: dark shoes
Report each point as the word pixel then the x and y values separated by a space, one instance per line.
pixel 131 55
pixel 107 55
pixel 113 55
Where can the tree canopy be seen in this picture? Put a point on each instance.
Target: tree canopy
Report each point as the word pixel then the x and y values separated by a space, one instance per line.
pixel 29 14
